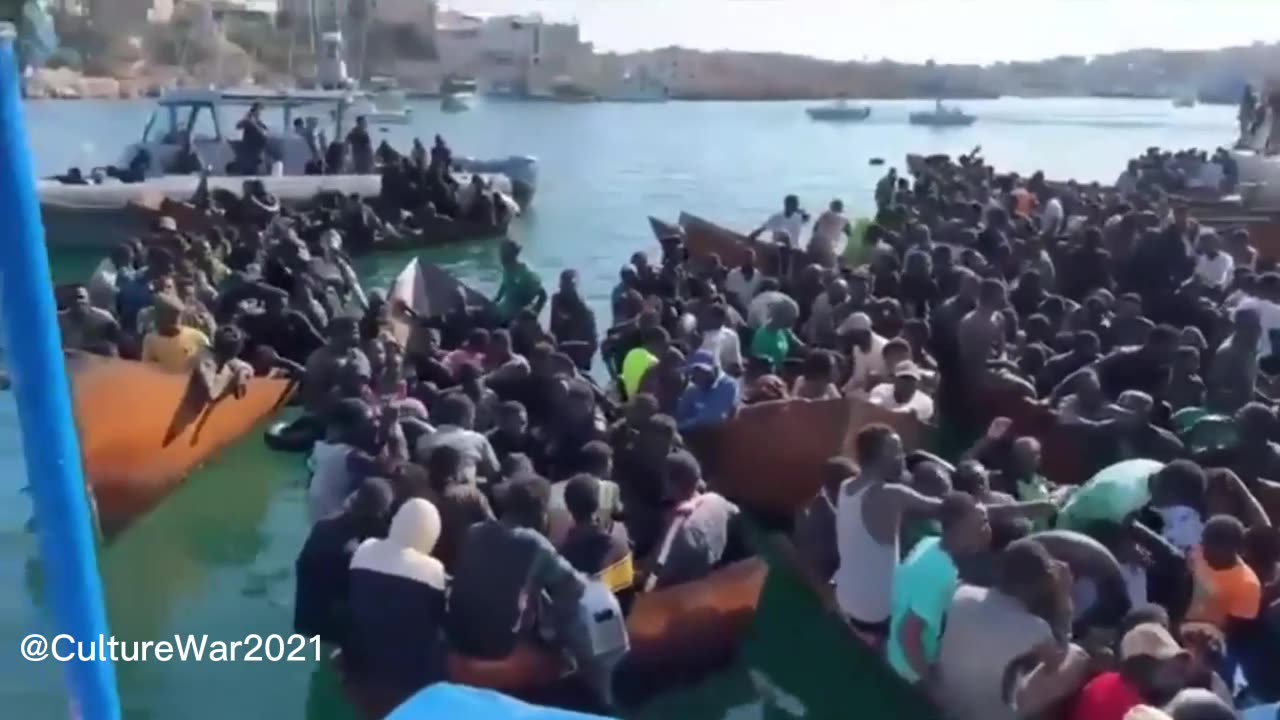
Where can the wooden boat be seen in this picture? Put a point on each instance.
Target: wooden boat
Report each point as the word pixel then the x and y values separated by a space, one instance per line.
pixel 770 458
pixel 425 290
pixel 142 430
pixel 663 229
pixel 704 238
pixel 678 627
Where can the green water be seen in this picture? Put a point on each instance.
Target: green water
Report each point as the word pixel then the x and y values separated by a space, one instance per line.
pixel 216 557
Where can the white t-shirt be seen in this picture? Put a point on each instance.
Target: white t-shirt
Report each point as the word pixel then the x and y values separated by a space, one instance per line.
pixel 793 226
pixel 1215 271
pixel 919 404
pixel 331 480
pixel 742 289
pixel 724 345
pixel 867 364
pixel 829 230
pixel 1269 314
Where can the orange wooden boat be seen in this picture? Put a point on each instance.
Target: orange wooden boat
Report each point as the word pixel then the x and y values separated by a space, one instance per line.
pixel 681 627
pixel 770 457
pixel 142 430
pixel 704 238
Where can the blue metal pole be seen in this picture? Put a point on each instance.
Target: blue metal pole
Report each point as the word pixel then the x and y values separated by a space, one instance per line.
pixel 49 442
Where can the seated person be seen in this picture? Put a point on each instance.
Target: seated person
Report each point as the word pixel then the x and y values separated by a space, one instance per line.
pixel 504 568
pixel 397 597
pixel 88 328
pixel 594 549
pixel 321 600
pixel 172 346
pixel 700 527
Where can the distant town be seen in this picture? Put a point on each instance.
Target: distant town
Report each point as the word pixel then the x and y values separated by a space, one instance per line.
pixel 126 48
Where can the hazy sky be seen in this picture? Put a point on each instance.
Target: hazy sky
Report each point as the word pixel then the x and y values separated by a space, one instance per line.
pixel 911 30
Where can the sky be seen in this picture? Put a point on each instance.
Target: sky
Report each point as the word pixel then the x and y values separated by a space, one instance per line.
pixel 951 31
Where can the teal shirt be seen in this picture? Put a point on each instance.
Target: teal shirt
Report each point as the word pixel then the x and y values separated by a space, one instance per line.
pixel 923 585
pixel 771 343
pixel 520 286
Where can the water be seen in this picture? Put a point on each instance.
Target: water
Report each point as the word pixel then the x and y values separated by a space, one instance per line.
pixel 217 556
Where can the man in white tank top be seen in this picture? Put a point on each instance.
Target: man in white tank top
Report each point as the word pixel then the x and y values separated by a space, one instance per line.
pixel 868 522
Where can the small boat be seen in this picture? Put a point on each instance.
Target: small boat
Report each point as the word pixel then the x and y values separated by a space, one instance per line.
pixel 143 430
pixel 942 116
pixel 458 94
pixel 1185 100
pixel 840 111
pixel 385 106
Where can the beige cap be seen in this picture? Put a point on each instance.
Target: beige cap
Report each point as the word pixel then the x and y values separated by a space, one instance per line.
pixel 1150 640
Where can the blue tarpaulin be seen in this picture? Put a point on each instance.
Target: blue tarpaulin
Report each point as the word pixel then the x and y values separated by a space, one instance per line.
pixel 456 701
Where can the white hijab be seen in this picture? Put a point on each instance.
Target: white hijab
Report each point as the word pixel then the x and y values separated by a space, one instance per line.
pixel 407 550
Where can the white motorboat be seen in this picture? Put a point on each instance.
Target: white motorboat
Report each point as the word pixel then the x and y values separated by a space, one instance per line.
pixel 384 104
pixel 942 116
pixel 839 111
pixel 79 215
pixel 458 94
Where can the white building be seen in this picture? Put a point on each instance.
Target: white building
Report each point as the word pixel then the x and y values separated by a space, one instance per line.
pixel 509 48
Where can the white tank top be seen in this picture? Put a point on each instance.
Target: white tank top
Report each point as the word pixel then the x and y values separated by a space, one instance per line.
pixel 864 580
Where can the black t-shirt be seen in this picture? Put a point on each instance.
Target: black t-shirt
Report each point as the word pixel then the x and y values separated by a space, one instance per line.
pixel 290 334
pixel 1131 369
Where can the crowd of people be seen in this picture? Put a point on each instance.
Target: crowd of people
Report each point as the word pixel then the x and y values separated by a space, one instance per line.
pixel 473 487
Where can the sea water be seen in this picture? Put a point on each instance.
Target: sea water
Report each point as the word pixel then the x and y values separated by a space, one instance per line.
pixel 217 557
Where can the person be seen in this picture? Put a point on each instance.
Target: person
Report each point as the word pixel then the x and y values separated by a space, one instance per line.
pixel 397 596
pixel 638 361
pixel 593 548
pixel 286 331
pixel 323 363
pixel 999 657
pixel 1214 267
pixel 172 346
pixel 867 352
pixel 816 377
pixel 361 147
pixel 253 140
pixel 110 276
pixel 1153 668
pixel 471 353
pixel 924 584
pixel 1233 375
pixel 455 417
pixel 460 502
pixel 744 282
pixel 321 600
pixel 521 288
pixel 721 341
pixel 789 222
pixel 1200 704
pixel 1227 593
pixel 904 394
pixel 776 340
pixel 711 397
pixel 699 530
pixel 815 533
pixel 573 324
pixel 88 328
pixel 831 232
pixel 511 435
pixel 350 427
pixel 869 514
pixel 505 565
pixel 982 332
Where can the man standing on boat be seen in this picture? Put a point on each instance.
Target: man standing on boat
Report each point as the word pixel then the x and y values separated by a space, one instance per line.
pixel 361 146
pixel 790 221
pixel 253 140
pixel 831 234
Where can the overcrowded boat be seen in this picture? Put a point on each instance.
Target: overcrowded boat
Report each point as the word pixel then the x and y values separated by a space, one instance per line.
pixel 1007 451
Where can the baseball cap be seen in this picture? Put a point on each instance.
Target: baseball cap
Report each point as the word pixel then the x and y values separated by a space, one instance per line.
pixel 1150 640
pixel 857 322
pixel 702 359
pixel 906 368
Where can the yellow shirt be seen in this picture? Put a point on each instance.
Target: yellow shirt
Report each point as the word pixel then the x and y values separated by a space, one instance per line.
pixel 175 353
pixel 634 366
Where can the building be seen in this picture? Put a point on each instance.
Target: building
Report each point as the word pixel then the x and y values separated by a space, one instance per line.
pixel 510 49
pixel 256 8
pixel 420 13
pixel 128 17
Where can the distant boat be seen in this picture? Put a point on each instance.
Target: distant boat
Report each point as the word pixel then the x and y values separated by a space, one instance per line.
pixel 840 111
pixel 458 94
pixel 942 116
pixel 1186 100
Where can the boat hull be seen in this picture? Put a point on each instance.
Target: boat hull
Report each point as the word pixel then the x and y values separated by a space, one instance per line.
pixel 839 114
pixel 931 120
pixel 143 430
